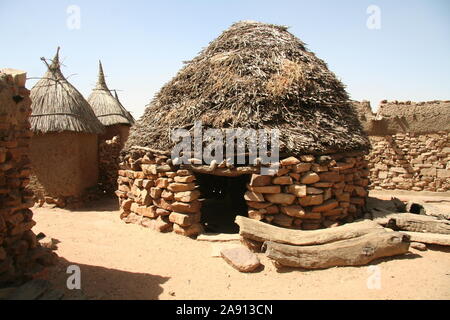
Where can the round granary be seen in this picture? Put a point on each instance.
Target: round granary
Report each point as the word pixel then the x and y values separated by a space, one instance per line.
pixel 256 76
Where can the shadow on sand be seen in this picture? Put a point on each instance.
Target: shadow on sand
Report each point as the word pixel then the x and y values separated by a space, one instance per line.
pixel 100 283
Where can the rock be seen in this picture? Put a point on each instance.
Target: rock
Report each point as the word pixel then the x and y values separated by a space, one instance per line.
pixel 310 178
pixel 283 180
pixel 299 190
pixel 260 180
pixel 187 196
pixel 241 258
pixel 326 206
pixel 280 198
pixel 218 237
pixel 49 243
pixel 254 196
pixel 293 211
pixel 184 179
pixel 289 161
pixel 192 230
pixel 302 167
pixel 180 187
pixel 311 200
pixel 266 189
pixel 184 219
pixel 307 158
pixel 258 205
pixel 312 190
pixel 186 207
pixel 418 245
pixel 283 220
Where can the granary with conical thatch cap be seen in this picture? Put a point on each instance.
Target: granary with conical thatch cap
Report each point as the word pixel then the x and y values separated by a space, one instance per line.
pixel 64 148
pixel 253 76
pixel 108 109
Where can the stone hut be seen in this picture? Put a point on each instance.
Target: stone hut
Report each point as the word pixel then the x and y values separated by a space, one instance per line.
pixel 64 148
pixel 108 109
pixel 253 76
pixel 411 145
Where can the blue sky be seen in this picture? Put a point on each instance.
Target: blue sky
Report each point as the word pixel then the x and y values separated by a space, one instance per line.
pixel 142 44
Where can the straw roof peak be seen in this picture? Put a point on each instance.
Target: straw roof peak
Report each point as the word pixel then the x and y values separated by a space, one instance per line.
pixel 101 83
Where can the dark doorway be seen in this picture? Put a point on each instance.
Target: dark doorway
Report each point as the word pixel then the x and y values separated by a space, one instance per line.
pixel 223 200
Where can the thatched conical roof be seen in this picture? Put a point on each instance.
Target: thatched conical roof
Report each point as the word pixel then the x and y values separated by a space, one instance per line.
pixel 58 106
pixel 106 107
pixel 260 76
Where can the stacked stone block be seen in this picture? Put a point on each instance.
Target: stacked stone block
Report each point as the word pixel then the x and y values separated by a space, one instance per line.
pixel 21 256
pixel 309 192
pixel 408 161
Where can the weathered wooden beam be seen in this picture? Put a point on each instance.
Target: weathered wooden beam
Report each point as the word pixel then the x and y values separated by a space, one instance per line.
pixel 429 238
pixel 352 252
pixel 417 223
pixel 260 231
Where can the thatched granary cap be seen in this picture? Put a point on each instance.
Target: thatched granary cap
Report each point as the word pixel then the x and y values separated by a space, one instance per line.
pixel 58 106
pixel 107 108
pixel 259 76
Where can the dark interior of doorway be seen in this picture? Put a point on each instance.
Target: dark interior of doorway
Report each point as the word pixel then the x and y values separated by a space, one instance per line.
pixel 223 201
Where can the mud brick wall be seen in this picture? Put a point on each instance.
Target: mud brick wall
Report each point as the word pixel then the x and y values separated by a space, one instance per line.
pixel 308 193
pixel 409 161
pixel 20 253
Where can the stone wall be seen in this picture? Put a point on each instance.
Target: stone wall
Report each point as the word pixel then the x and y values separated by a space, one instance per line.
pixel 21 256
pixel 306 193
pixel 410 144
pixel 408 161
pixel 109 153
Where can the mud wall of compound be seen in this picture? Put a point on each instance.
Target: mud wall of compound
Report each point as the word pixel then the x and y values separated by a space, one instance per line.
pixel 64 164
pixel 309 192
pixel 21 256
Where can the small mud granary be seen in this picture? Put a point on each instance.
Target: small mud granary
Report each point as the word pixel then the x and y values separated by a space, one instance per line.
pixel 257 76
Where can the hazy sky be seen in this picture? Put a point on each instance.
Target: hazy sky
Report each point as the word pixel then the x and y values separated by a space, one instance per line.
pixel 142 44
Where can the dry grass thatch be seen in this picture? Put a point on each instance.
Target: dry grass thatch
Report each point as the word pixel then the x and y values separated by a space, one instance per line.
pixel 107 108
pixel 58 106
pixel 259 76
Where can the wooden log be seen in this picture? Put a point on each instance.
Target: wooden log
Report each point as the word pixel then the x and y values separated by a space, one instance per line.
pixel 260 231
pixel 417 223
pixel 429 238
pixel 352 252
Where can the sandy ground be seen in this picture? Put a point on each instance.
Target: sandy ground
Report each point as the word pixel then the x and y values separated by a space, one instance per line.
pixel 120 261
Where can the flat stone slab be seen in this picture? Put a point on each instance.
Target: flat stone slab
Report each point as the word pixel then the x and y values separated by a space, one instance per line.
pixel 217 247
pixel 241 258
pixel 219 237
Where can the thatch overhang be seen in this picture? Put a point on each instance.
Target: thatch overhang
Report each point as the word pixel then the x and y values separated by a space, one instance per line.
pixel 106 107
pixel 58 106
pixel 258 76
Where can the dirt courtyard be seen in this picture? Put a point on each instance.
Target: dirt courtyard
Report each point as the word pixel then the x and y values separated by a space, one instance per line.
pixel 120 261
